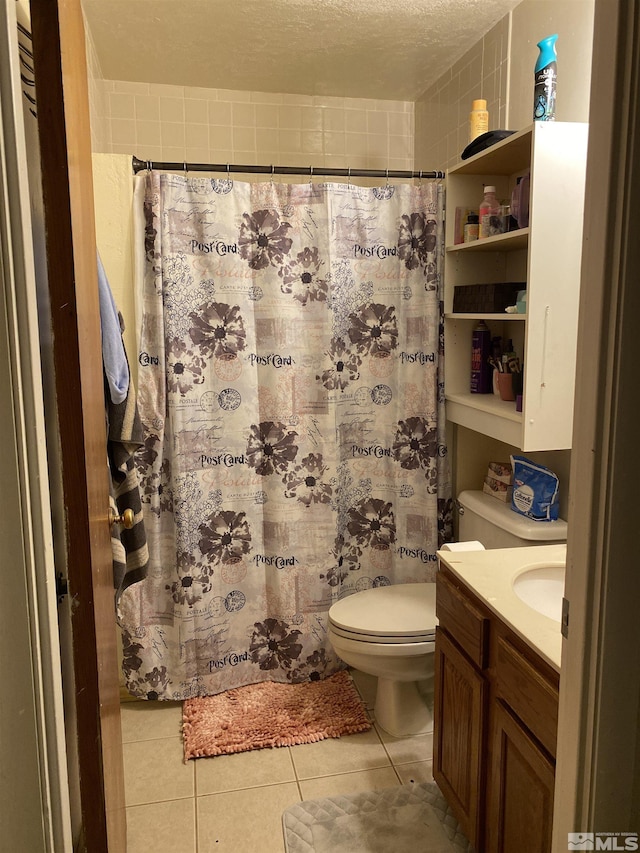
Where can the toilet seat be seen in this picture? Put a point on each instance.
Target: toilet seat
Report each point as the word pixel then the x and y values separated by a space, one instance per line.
pixel 404 613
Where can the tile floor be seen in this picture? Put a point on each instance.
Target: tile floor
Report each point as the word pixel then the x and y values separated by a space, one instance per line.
pixel 234 803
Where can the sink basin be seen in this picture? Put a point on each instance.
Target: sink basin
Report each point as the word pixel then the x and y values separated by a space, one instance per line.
pixel 541 587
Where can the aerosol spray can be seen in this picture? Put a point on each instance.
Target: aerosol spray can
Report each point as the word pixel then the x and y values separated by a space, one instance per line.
pixel 546 75
pixel 481 371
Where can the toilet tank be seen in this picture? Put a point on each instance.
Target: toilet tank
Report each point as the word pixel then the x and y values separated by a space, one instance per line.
pixel 496 525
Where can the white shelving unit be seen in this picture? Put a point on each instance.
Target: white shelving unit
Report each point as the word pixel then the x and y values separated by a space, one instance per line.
pixel 546 256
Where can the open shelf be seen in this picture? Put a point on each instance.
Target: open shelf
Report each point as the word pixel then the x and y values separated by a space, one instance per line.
pixel 479 315
pixel 512 241
pixel 511 155
pixel 486 413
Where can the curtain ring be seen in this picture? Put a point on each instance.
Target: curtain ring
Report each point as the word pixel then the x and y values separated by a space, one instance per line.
pixel 149 166
pixel 349 176
pixel 184 164
pixel 420 178
pixel 310 176
pixel 272 173
pixel 227 170
pixel 387 176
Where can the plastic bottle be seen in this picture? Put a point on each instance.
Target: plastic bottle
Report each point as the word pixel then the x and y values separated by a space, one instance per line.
pixel 489 207
pixel 545 77
pixel 478 119
pixel 481 372
pixel 471 228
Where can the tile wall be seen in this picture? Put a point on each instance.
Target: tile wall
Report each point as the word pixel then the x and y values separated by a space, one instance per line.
pixel 174 123
pixel 98 106
pixel 442 112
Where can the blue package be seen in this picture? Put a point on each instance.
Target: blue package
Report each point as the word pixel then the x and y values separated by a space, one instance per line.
pixel 535 490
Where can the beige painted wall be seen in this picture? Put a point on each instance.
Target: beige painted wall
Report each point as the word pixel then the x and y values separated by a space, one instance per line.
pixel 532 20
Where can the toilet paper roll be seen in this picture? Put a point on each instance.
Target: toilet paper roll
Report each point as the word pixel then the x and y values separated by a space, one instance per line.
pixel 472 545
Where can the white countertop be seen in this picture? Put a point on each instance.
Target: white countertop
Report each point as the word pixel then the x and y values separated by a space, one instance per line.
pixel 490 575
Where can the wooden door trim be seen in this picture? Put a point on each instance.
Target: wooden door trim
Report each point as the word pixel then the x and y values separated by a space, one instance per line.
pixel 63 119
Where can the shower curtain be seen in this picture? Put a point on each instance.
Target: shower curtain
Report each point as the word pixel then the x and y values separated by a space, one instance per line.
pixel 290 385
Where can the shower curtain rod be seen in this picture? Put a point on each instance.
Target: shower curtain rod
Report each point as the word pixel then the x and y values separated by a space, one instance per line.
pixel 141 165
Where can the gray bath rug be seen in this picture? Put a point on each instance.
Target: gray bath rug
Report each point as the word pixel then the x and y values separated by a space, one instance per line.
pixel 408 819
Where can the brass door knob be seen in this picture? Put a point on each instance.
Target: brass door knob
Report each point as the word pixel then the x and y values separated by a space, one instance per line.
pixel 126 519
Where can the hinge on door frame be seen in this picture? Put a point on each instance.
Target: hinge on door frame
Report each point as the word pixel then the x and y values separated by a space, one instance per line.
pixel 62 587
pixel 564 621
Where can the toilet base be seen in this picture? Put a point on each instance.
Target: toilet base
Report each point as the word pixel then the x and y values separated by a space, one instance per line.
pixel 400 709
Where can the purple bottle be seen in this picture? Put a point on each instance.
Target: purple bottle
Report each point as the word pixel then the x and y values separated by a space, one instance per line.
pixel 481 373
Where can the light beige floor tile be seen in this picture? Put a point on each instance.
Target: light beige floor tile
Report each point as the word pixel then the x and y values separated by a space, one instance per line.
pixel 150 720
pixel 154 770
pixel 243 770
pixel 405 750
pixel 367 686
pixel 248 821
pixel 349 783
pixel 162 827
pixel 361 751
pixel 420 771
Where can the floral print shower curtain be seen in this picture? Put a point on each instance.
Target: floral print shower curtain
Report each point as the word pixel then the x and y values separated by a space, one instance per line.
pixel 290 384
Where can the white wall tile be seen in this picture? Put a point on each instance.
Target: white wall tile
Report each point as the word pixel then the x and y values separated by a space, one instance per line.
pixel 244 138
pixel 122 105
pixel 220 138
pixel 171 109
pixel 196 110
pixel 166 91
pixel 172 134
pixel 311 118
pixel 220 113
pixel 243 115
pixel 262 127
pixel 147 108
pixel 123 131
pixel 131 88
pixel 148 133
pixel 289 117
pixel 377 122
pixel 197 136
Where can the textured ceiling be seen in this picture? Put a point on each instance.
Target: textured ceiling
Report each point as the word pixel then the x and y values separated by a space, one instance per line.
pixel 391 49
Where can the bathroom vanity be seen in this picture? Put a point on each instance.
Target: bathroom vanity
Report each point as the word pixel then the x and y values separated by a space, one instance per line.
pixel 496 693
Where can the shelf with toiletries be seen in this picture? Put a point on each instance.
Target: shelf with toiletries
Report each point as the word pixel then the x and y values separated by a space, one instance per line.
pixel 510 241
pixel 544 258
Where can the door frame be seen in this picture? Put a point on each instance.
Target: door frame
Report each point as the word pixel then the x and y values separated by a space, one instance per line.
pixel 598 762
pixel 35 789
pixel 73 314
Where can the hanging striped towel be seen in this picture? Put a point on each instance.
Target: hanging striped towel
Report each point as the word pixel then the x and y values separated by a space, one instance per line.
pixel 124 437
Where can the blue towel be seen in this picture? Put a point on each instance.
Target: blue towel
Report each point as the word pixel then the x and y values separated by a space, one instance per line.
pixel 113 355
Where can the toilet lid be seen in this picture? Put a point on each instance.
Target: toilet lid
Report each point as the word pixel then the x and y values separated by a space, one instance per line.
pixel 403 610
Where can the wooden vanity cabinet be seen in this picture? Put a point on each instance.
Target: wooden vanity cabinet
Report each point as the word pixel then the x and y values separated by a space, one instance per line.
pixel 495 725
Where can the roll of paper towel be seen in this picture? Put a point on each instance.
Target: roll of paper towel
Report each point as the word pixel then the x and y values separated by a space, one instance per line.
pixel 473 545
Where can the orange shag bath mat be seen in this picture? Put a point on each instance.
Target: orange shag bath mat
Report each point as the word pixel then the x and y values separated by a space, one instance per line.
pixel 269 714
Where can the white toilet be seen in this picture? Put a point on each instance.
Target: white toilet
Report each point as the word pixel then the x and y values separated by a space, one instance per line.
pixel 389 631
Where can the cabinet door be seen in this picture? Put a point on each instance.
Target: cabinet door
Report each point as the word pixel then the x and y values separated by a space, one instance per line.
pixel 520 811
pixel 459 711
